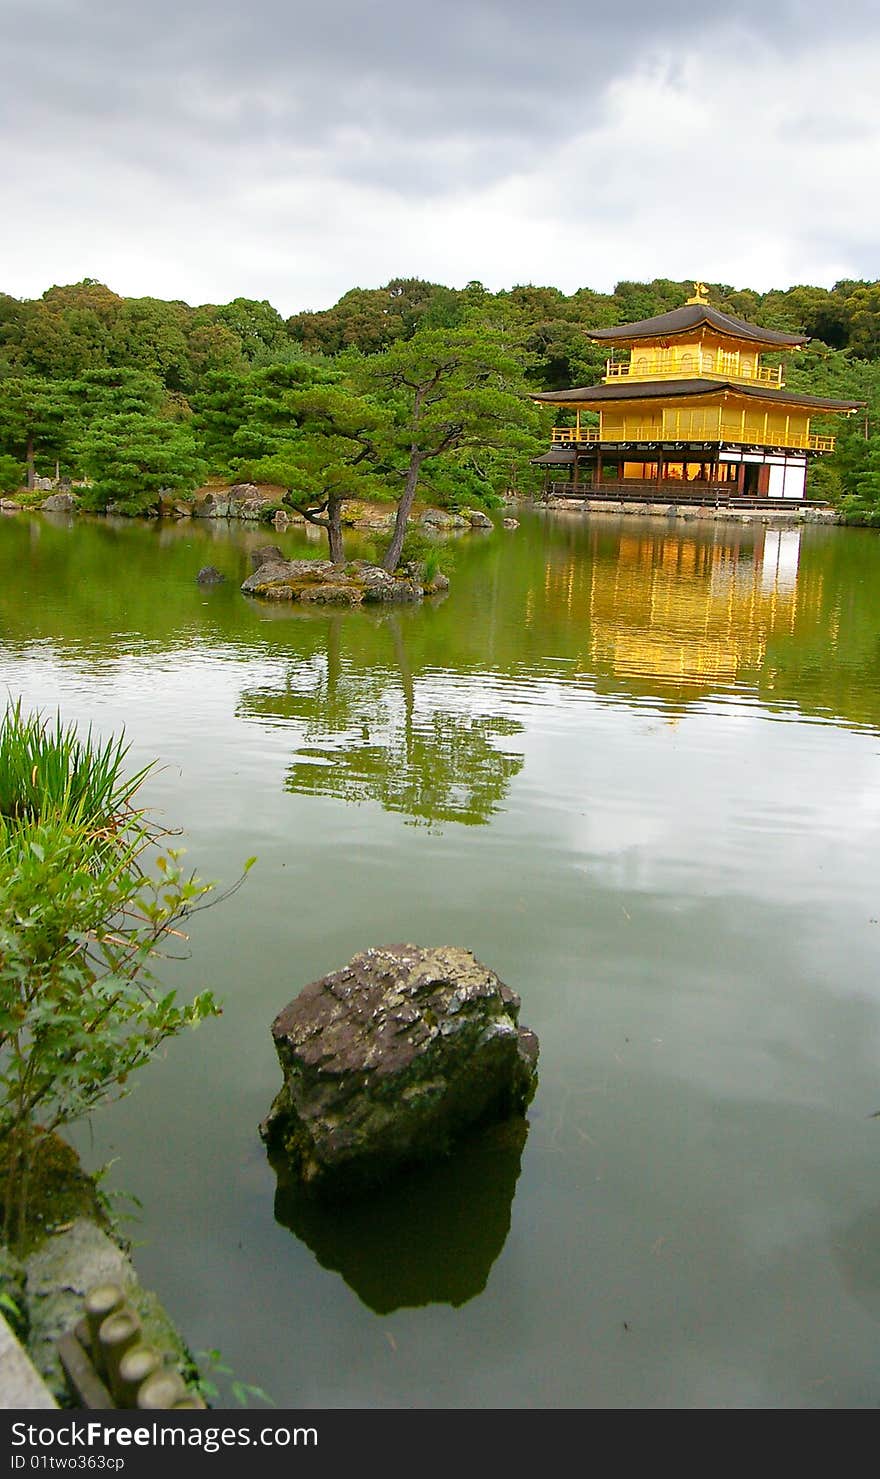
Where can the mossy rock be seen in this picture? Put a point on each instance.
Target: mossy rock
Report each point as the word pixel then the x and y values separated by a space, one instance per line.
pixel 59 1191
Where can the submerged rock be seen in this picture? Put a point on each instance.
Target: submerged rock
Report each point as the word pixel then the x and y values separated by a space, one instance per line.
pixel 390 1060
pixel 210 575
pixel 450 1221
pixel 510 523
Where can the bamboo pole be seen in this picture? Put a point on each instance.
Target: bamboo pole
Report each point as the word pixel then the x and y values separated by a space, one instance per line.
pixel 162 1389
pixel 117 1334
pixel 137 1364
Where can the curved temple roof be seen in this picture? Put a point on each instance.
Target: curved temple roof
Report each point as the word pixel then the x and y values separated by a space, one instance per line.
pixel 665 389
pixel 692 316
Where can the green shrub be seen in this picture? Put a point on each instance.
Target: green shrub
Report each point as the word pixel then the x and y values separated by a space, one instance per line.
pixel 430 553
pixel 81 917
pixel 11 474
pixel 860 512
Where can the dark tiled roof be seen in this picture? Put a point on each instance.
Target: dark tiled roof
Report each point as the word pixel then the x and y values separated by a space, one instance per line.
pixel 556 457
pixel 645 390
pixel 691 316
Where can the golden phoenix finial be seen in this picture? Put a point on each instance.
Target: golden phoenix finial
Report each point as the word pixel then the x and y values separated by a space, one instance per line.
pixel 701 293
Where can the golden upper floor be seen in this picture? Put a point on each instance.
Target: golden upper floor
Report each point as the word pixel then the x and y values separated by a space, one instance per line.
pixel 693 342
pixel 694 359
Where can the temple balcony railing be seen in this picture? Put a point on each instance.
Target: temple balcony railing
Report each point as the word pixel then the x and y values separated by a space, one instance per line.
pixel 686 429
pixel 575 433
pixel 694 366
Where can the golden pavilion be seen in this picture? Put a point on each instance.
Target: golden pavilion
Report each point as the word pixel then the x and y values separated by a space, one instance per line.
pixel 691 413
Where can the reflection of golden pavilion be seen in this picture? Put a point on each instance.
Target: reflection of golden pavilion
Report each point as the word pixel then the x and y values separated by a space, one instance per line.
pixel 692 412
pixel 682 610
pixel 691 612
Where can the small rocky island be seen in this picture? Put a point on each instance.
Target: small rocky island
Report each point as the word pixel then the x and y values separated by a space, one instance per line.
pixel 389 1061
pixel 275 578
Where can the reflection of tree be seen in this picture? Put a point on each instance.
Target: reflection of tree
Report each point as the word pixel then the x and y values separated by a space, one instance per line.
pixel 378 734
pixel 430 1237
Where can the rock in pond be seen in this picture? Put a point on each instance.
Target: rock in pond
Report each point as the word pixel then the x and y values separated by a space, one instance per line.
pixel 267 554
pixel 388 1061
pixel 477 519
pixel 214 505
pixel 441 518
pixel 322 582
pixel 210 575
pixel 58 503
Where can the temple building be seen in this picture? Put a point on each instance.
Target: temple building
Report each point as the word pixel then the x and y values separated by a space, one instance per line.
pixel 690 413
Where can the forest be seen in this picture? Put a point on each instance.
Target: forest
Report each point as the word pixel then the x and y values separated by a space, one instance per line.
pixel 410 387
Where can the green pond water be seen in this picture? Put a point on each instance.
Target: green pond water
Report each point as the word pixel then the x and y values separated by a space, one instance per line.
pixel 634 767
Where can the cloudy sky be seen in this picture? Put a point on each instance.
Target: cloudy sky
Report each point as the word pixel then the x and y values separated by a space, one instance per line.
pixel 205 149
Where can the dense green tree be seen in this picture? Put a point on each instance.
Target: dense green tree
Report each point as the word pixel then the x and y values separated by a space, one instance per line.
pixel 334 456
pixel 220 409
pixel 868 484
pixel 637 300
pixel 149 335
pixel 816 311
pixel 102 392
pixel 371 319
pixel 361 319
pixel 81 353
pixel 449 393
pixel 256 325
pixel 32 421
pixel 863 307
pixel 131 457
pixel 67 331
pixel 212 347
pixel 12 312
pixel 270 408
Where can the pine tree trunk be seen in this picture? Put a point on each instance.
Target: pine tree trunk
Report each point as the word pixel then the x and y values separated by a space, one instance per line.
pixel 392 554
pixel 29 459
pixel 334 531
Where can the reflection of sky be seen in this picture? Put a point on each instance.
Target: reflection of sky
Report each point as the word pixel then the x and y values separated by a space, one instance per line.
pixel 682 898
pixel 722 799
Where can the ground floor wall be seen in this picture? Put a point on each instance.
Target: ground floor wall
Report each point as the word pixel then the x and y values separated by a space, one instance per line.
pixel 735 471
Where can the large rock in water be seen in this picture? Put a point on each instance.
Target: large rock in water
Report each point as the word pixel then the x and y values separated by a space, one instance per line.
pixel 321 582
pixel 389 1060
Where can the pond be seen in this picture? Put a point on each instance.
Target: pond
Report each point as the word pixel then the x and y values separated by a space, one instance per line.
pixel 633 765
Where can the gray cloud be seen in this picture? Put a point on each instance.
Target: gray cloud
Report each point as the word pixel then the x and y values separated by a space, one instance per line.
pixel 220 74
pixel 111 109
